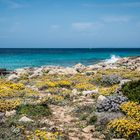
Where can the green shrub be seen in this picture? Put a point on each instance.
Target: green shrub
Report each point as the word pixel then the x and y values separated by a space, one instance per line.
pixel 92 119
pixel 132 90
pixel 34 110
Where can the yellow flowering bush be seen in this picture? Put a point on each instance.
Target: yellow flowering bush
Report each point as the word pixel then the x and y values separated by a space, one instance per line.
pixel 53 90
pixel 124 127
pixel 85 86
pixel 6 105
pixel 9 89
pixel 18 86
pixel 65 93
pixel 31 93
pixel 46 84
pixel 132 109
pixel 8 93
pixel 108 90
pixel 53 99
pixel 44 135
pixel 64 83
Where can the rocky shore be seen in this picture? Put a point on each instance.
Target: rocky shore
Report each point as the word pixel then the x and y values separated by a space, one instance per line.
pixel 132 63
pixel 95 102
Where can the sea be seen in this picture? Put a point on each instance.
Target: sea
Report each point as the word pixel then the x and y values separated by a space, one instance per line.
pixel 13 58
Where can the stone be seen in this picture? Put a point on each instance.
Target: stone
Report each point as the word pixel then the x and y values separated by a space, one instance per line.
pixel 122 82
pixel 10 113
pixel 79 67
pixel 13 77
pixel 138 69
pixel 102 136
pixel 101 98
pixel 90 92
pixel 105 117
pixel 93 67
pixel 61 71
pixel 96 134
pixel 25 119
pixel 2 117
pixel 37 72
pixel 89 128
pixel 88 73
pixel 74 92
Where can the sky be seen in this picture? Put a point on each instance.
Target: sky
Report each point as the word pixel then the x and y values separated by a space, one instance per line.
pixel 69 23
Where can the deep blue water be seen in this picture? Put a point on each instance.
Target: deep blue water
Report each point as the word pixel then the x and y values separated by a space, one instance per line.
pixel 18 58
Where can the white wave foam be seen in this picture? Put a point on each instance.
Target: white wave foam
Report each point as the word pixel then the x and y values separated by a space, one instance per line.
pixel 113 59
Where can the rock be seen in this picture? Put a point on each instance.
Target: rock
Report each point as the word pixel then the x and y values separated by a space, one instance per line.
pixel 88 73
pixel 122 82
pixel 96 134
pixel 61 71
pixel 101 98
pixel 37 72
pixel 79 67
pixel 93 67
pixel 23 71
pixel 102 136
pixel 25 119
pixel 89 128
pixel 90 92
pixel 47 122
pixel 74 92
pixel 13 77
pixel 2 117
pixel 105 117
pixel 138 69
pixel 10 113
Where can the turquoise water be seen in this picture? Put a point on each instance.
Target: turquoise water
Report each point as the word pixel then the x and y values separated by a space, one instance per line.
pixel 18 58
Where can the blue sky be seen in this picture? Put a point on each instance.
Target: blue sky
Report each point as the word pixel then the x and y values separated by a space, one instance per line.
pixel 69 23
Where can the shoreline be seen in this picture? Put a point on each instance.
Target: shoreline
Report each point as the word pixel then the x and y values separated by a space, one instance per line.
pixel 132 63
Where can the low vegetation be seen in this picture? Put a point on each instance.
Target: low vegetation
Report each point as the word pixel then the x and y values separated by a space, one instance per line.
pixel 59 107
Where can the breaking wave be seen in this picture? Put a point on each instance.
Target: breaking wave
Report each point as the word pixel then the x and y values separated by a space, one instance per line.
pixel 113 59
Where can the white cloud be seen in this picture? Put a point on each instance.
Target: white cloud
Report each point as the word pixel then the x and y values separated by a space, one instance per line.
pixel 85 26
pixel 118 19
pixel 115 5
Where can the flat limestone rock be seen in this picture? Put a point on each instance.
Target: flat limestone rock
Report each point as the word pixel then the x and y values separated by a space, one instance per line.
pixel 25 119
pixel 89 128
pixel 10 113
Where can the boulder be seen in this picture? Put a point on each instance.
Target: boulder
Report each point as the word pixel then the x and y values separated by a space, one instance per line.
pixel 89 128
pixel 13 77
pixel 88 73
pixel 101 98
pixel 22 71
pixel 25 119
pixel 2 117
pixel 138 69
pixel 61 71
pixel 122 82
pixel 74 92
pixel 79 67
pixel 93 67
pixel 37 72
pixel 105 117
pixel 10 113
pixel 90 92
